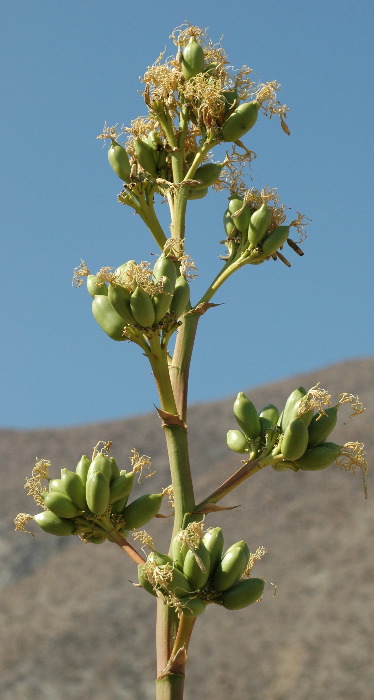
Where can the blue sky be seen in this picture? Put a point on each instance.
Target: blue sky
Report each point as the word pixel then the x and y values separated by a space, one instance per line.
pixel 70 66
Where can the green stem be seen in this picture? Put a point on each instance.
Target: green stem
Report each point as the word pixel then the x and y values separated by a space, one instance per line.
pixel 243 473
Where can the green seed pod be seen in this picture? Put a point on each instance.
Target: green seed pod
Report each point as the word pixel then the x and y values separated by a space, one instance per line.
pixel 106 316
pixel 231 567
pixel 275 240
pixel 196 566
pixel 142 308
pixel 270 412
pixel 213 541
pixel 162 300
pixel 246 416
pixel 266 425
pixel 295 440
pixel 319 457
pixel 211 69
pixel 56 485
pixel 83 467
pixel 60 504
pixel 199 193
pixel 193 61
pixel 164 267
pixel 306 417
pixel 143 509
pixel 53 524
pixel 243 593
pixel 121 486
pixel 145 156
pixel 144 582
pixel 119 298
pixel 231 98
pixel 178 584
pixel 258 225
pixel 101 464
pixel 74 488
pixel 293 398
pixel 154 140
pixel 119 161
pixel 97 493
pixel 181 297
pixel 208 174
pixel 229 224
pixel 321 426
pixel 120 505
pixel 96 286
pixel 242 119
pixel 179 551
pixel 242 221
pixel 115 469
pixel 96 539
pixel 192 607
pixel 236 441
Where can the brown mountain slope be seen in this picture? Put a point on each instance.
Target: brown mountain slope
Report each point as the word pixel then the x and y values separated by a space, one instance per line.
pixel 73 626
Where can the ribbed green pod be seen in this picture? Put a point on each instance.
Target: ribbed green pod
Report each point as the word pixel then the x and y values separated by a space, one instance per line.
pixel 181 296
pixel 246 416
pixel 242 220
pixel 196 566
pixel 293 398
pixel 74 488
pixel 56 485
pixel 144 582
pixel 236 441
pixel 119 161
pixel 106 316
pixel 143 509
pixel 162 300
pixel 61 505
pixel 178 584
pixel 193 61
pixel 164 267
pixel 97 493
pixel 145 156
pixel 231 97
pixel 142 308
pixel 119 298
pixel 321 426
pixel 121 486
pixel 270 412
pixel 115 468
pixel 319 457
pixel 197 193
pixel 275 240
pixel 295 412
pixel 243 593
pixel 179 551
pixel 242 119
pixel 96 286
pixel 258 225
pixel 295 440
pixel 83 467
pixel 208 174
pixel 214 541
pixel 101 464
pixel 229 224
pixel 53 524
pixel 192 607
pixel 231 567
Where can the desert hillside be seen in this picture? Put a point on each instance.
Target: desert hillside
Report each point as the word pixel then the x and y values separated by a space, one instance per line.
pixel 73 626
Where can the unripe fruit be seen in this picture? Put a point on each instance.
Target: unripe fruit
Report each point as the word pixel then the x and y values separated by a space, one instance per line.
pixel 181 296
pixel 197 569
pixel 213 541
pixel 119 161
pixel 162 300
pixel 293 398
pixel 236 441
pixel 142 510
pixel 240 121
pixel 53 524
pixel 242 220
pixel 142 308
pixel 275 240
pixel 243 593
pixel 83 467
pixel 119 298
pixel 200 193
pixel 295 440
pixel 270 412
pixel 321 426
pixel 74 488
pixel 121 486
pixel 231 567
pixel 229 224
pixel 246 416
pixel 208 174
pixel 101 464
pixel 145 156
pixel 258 225
pixel 144 582
pixel 193 61
pixel 192 607
pixel 164 267
pixel 61 505
pixel 319 457
pixel 97 493
pixel 106 316
pixel 96 286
